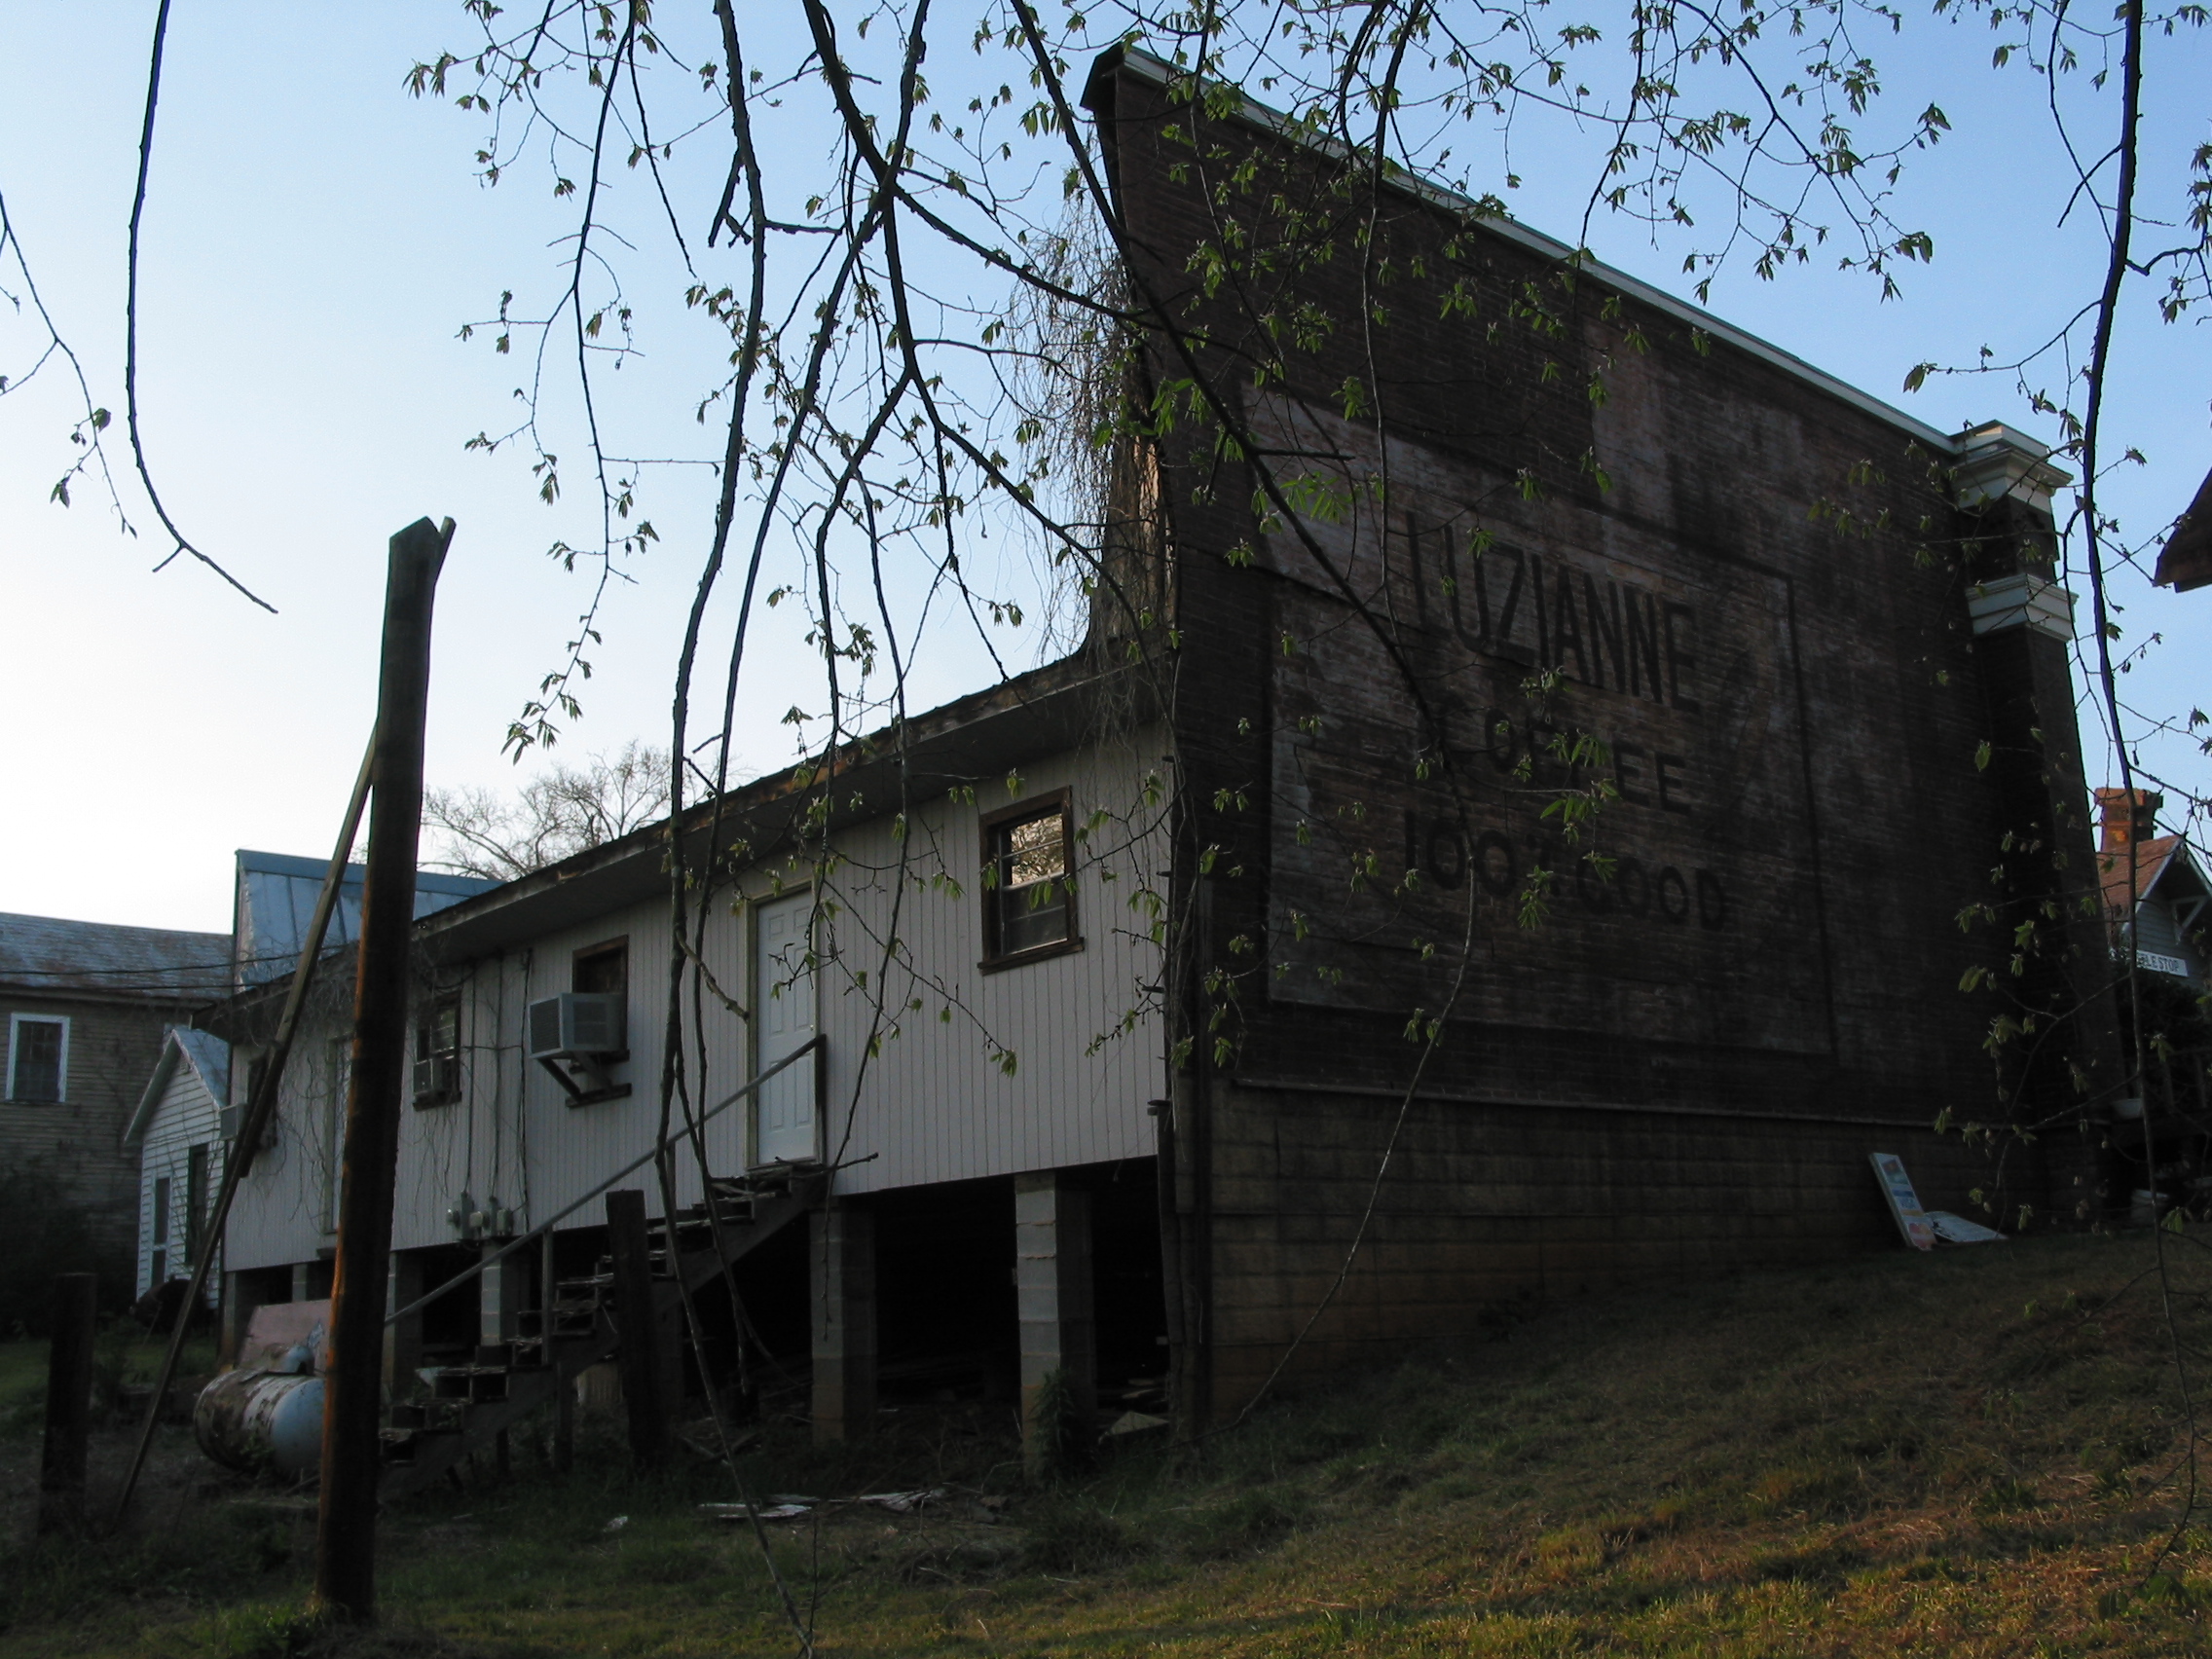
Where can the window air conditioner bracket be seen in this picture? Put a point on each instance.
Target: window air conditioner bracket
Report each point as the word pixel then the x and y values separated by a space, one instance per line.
pixel 593 1085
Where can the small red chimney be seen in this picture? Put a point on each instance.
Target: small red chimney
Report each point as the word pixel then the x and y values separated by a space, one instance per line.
pixel 2121 824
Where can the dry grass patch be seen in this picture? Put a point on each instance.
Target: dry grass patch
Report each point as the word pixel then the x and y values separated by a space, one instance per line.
pixel 1971 1455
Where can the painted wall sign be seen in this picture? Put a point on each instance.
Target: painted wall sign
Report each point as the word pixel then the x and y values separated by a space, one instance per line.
pixel 1704 925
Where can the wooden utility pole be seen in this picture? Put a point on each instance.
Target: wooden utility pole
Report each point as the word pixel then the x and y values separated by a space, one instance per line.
pixel 638 1317
pixel 68 1402
pixel 346 1533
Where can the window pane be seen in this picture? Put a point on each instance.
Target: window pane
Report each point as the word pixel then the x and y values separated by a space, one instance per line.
pixel 605 971
pixel 195 1202
pixel 1032 851
pixel 1024 925
pixel 1029 907
pixel 38 1059
pixel 439 1032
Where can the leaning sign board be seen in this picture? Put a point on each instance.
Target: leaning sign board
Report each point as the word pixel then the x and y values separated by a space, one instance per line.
pixel 1904 1203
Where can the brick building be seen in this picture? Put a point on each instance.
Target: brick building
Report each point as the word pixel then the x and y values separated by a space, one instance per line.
pixel 85 1005
pixel 1817 639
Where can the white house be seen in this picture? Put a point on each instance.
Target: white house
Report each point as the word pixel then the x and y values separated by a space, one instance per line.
pixel 2167 923
pixel 986 1051
pixel 178 1134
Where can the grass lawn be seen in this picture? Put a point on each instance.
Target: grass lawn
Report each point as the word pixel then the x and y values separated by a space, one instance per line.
pixel 1975 1454
pixel 22 1374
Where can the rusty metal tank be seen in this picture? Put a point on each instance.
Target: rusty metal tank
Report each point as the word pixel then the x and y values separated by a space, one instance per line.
pixel 262 1422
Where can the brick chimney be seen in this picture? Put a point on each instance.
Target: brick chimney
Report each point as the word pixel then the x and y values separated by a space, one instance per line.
pixel 2122 824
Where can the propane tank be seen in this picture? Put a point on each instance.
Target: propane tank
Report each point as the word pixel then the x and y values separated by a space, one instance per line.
pixel 262 1422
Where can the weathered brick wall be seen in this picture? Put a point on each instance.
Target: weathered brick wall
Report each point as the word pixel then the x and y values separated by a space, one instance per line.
pixel 111 1052
pixel 1488 1206
pixel 1752 589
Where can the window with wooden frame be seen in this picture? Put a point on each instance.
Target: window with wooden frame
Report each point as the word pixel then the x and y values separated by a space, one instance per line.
pixel 38 1057
pixel 603 968
pixel 437 1052
pixel 1029 881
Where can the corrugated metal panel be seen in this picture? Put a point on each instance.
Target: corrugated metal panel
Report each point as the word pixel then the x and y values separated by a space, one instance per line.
pixel 934 1104
pixel 512 1134
pixel 281 1212
pixel 275 901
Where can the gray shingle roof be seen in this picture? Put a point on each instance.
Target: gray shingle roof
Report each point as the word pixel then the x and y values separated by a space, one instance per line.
pixel 49 955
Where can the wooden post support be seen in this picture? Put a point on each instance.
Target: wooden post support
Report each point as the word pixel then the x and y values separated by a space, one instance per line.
pixel 402 1338
pixel 353 1463
pixel 842 1246
pixel 1054 1297
pixel 68 1402
pixel 565 1396
pixel 638 1318
pixel 242 1295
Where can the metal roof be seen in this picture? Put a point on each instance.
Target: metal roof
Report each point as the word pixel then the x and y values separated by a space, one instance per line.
pixel 980 736
pixel 275 901
pixel 209 1056
pixel 48 955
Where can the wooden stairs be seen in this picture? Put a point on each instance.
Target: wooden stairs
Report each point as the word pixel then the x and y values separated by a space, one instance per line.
pixel 470 1405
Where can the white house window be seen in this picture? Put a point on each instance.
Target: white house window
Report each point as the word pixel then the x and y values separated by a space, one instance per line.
pixel 1028 892
pixel 195 1202
pixel 158 1265
pixel 38 1057
pixel 437 1054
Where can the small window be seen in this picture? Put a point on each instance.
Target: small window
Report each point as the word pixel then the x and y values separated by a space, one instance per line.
pixel 437 1054
pixel 38 1059
pixel 195 1202
pixel 160 1210
pixel 1028 885
pixel 603 968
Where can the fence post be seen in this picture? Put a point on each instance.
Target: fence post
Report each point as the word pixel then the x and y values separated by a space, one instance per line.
pixel 68 1402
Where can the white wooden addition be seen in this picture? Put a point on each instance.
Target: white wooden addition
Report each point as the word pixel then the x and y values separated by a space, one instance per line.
pixel 177 1131
pixel 938 1102
pixel 785 1016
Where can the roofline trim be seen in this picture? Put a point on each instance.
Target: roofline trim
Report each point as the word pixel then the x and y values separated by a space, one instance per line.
pixel 157 1085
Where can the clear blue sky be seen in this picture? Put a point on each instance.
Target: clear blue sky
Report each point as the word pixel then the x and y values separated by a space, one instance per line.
pixel 314 241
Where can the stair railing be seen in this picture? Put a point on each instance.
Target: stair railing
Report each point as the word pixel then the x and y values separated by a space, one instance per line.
pixel 814 1044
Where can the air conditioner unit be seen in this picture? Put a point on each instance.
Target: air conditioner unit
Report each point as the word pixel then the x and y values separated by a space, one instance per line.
pixel 584 1030
pixel 437 1077
pixel 231 1119
pixel 578 1025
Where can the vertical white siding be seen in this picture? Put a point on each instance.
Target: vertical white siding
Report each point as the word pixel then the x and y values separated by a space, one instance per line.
pixel 935 1103
pixel 281 1212
pixel 186 1116
pixel 900 920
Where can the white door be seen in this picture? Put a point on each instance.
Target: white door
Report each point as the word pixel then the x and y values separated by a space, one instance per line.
pixel 784 1020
